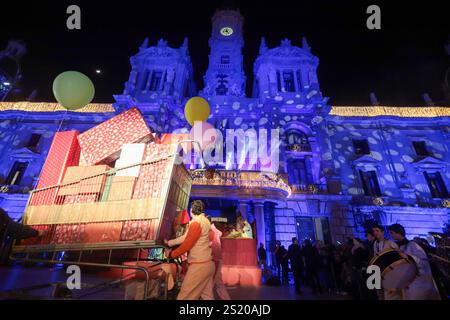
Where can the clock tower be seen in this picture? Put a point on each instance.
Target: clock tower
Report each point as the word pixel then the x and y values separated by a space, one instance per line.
pixel 225 75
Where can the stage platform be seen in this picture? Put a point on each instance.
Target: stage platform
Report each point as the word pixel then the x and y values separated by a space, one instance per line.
pixel 239 263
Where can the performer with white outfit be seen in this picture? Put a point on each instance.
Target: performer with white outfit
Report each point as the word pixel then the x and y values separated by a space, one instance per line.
pixel 381 243
pixel 423 286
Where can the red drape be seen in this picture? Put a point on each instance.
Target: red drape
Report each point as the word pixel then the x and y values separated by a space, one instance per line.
pixel 239 252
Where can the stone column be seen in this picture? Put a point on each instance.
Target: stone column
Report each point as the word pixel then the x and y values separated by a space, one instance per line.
pixel 269 224
pixel 243 208
pixel 260 224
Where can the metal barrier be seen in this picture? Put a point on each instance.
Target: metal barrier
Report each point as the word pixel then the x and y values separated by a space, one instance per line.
pixel 93 188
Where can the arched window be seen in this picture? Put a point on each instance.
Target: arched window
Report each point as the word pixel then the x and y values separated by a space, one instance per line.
pixel 155 81
pixel 297 140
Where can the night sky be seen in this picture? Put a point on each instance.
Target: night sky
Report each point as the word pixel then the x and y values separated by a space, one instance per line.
pixel 399 62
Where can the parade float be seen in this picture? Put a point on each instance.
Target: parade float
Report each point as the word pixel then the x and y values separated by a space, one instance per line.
pixel 108 197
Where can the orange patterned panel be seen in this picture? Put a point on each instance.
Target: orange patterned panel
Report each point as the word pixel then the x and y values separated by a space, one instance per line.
pixel 93 185
pixel 135 230
pixel 121 188
pixel 81 198
pixel 102 232
pixel 103 143
pixel 68 233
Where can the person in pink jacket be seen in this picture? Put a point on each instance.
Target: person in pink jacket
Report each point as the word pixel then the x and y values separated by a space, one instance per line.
pixel 216 247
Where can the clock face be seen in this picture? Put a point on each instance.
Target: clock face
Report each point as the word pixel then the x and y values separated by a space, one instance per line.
pixel 226 31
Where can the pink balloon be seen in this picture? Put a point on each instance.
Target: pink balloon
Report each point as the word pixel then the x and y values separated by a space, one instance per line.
pixel 204 133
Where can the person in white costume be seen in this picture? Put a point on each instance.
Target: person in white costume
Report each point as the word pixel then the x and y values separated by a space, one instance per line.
pixel 423 286
pixel 381 243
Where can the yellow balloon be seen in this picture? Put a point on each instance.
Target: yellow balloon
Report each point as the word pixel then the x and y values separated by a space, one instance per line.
pixel 196 109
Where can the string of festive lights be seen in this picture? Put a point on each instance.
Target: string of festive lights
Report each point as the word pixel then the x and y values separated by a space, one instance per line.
pixel 343 111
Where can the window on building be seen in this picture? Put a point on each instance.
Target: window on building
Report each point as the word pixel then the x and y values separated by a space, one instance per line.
pixel 436 185
pixel 222 84
pixel 155 81
pixel 144 80
pixel 16 173
pixel 299 80
pixel 305 228
pixel 301 172
pixel 370 184
pixel 34 140
pixel 420 148
pixel 361 146
pixel 288 81
pixel 296 137
pixel 225 59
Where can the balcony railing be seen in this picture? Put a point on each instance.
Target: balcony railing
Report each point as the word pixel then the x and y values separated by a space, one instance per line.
pixel 253 179
pixel 363 200
pixel 98 193
pixel 309 188
pixel 369 200
pixel 243 179
pixel 299 148
pixel 8 188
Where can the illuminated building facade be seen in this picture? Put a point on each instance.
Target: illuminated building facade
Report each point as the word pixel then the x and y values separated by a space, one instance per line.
pixel 340 166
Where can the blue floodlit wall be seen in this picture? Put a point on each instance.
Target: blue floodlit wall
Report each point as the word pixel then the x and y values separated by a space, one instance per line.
pixel 318 154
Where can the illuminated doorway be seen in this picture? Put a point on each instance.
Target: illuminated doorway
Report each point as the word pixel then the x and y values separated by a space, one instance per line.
pixel 313 228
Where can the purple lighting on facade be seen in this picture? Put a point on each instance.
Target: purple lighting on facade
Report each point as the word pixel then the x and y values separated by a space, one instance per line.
pixel 392 167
